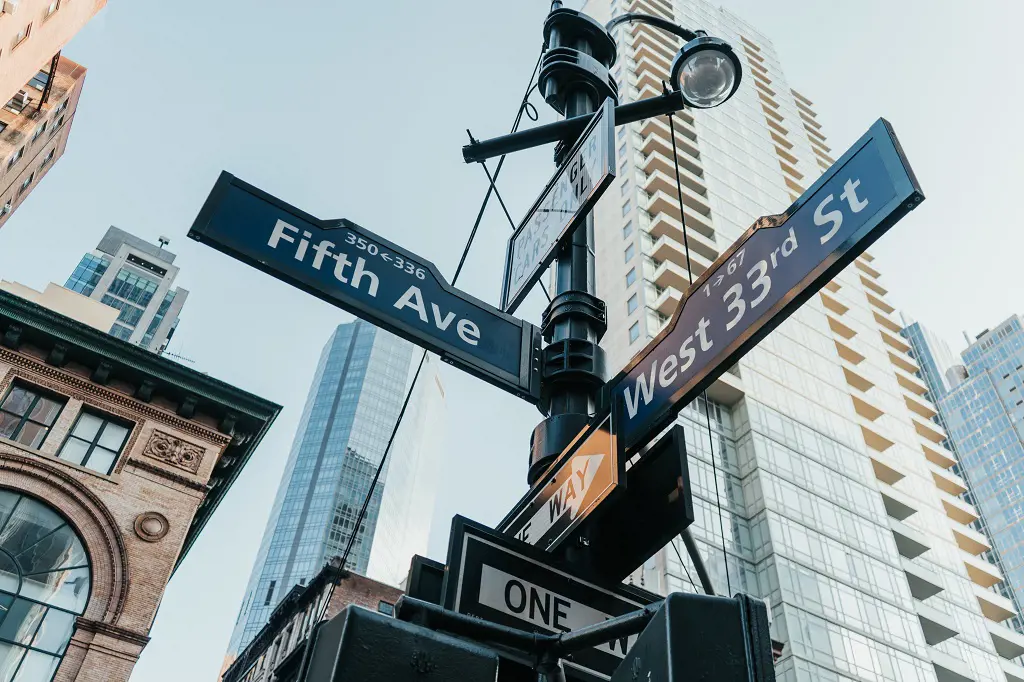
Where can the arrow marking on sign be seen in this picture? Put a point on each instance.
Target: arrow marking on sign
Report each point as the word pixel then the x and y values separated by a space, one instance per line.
pixel 570 495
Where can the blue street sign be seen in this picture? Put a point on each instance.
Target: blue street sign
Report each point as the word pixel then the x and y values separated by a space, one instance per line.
pixel 777 265
pixel 354 269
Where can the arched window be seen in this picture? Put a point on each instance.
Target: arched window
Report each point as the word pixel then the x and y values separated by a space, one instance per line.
pixel 44 585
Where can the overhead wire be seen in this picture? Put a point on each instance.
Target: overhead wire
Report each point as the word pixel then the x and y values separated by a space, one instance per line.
pixel 525 107
pixel 704 394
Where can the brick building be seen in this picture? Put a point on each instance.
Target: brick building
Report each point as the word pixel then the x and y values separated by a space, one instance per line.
pixel 40 89
pixel 276 653
pixel 34 128
pixel 112 460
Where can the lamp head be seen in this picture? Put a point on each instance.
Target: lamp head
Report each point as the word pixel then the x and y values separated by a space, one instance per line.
pixel 706 72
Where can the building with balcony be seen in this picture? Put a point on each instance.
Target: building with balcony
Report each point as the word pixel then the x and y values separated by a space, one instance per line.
pixel 40 88
pixel 35 124
pixel 983 410
pixel 351 410
pixel 940 371
pixel 32 32
pixel 112 461
pixel 820 479
pixel 135 278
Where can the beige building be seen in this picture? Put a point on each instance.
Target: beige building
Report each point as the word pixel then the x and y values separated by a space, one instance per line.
pixel 34 128
pixel 839 504
pixel 112 460
pixel 32 32
pixel 66 302
pixel 40 90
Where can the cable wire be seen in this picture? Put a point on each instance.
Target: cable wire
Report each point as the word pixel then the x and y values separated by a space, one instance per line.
pixel 683 564
pixel 501 201
pixel 704 394
pixel 525 107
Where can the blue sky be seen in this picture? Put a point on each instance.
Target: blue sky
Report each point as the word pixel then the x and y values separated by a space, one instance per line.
pixel 359 110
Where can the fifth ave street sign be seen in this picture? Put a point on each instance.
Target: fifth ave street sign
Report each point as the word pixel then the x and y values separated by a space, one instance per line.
pixel 354 269
pixel 580 479
pixel 565 201
pixel 777 265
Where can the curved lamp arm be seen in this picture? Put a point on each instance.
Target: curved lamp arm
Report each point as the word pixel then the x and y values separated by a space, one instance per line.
pixel 664 24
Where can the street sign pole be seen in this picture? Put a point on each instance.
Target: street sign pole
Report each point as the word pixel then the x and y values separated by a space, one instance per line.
pixel 574 81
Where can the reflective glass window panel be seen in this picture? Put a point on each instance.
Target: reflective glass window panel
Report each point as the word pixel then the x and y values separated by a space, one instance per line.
pixel 26 414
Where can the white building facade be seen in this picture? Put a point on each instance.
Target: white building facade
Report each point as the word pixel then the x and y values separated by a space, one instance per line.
pixel 837 500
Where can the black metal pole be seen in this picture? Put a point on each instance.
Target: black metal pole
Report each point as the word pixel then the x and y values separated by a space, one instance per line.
pixel 698 562
pixel 574 322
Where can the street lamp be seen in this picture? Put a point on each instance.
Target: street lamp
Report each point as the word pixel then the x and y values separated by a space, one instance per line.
pixel 706 71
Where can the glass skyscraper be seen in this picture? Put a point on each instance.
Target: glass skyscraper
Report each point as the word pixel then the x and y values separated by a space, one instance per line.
pixel 353 403
pixel 136 277
pixel 983 409
pixel 837 499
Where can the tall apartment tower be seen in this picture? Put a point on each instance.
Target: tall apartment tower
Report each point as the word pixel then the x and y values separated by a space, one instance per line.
pixel 351 409
pixel 983 409
pixel 134 276
pixel 40 88
pixel 837 501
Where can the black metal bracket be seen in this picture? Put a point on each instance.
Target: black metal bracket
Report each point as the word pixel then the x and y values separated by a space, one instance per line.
pixel 569 129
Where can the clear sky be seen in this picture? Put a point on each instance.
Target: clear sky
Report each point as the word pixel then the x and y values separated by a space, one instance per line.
pixel 359 110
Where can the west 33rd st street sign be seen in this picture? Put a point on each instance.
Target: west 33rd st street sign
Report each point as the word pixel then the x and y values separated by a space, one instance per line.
pixel 750 290
pixel 769 272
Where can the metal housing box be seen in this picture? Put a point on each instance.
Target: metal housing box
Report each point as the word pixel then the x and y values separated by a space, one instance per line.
pixel 359 644
pixel 697 638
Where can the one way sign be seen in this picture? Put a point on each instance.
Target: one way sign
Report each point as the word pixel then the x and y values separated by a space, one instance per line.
pixel 583 476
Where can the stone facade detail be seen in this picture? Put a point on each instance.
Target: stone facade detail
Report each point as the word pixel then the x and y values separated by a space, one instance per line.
pixel 174 451
pixel 151 526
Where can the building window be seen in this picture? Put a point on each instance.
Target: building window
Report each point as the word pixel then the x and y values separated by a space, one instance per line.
pixel 25 185
pixel 270 593
pixel 87 275
pixel 630 276
pixel 3 126
pixel 627 229
pixel 95 442
pixel 622 151
pixel 625 208
pixel 56 126
pixel 16 158
pixel 634 332
pixel 48 158
pixel 51 8
pixel 21 36
pixel 624 190
pixel 40 80
pixel 630 252
pixel 632 304
pixel 122 332
pixel 40 129
pixel 62 107
pixel 387 608
pixel 27 414
pixel 45 582
pixel 133 288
